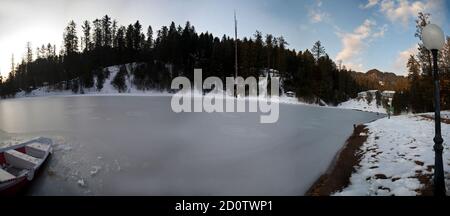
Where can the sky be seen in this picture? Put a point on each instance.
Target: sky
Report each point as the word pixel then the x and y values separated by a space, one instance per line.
pixel 363 34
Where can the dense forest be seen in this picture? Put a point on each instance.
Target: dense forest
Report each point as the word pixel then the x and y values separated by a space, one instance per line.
pixel 173 51
pixel 419 96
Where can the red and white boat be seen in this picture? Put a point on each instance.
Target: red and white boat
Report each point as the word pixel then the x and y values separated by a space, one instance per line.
pixel 20 162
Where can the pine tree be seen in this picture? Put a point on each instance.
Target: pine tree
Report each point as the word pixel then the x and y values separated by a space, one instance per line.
pixel 281 55
pixel 282 43
pixel 414 82
pixel 29 53
pixel 129 37
pixel 445 71
pixel 86 39
pixel 137 36
pixel 269 47
pixel 424 54
pixel 71 38
pixel 259 51
pixel 106 31
pixel 98 34
pixel 53 50
pixel 50 51
pixel 424 58
pixel 445 58
pixel 29 76
pixel 413 69
pixel 42 52
pixel 120 39
pixel 38 53
pixel 149 41
pixel 114 29
pixel 318 50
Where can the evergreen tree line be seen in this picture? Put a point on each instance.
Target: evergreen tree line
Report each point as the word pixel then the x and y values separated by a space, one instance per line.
pixel 173 51
pixel 419 97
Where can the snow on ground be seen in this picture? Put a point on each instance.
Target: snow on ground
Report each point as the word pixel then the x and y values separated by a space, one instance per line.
pixel 396 152
pixel 363 105
pixel 131 90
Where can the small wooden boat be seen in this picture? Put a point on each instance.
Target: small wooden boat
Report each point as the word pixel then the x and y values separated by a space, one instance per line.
pixel 20 162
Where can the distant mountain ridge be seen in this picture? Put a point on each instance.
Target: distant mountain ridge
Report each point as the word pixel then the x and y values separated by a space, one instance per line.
pixel 375 79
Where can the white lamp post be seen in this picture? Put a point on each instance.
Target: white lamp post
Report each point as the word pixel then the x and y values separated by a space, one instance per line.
pixel 433 38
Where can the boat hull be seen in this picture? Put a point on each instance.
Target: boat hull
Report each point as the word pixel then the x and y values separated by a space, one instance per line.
pixel 21 180
pixel 14 187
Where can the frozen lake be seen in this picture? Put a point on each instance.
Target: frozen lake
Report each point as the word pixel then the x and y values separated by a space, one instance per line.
pixel 130 145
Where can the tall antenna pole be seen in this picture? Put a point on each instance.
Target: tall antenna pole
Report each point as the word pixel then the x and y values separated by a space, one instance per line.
pixel 12 64
pixel 235 46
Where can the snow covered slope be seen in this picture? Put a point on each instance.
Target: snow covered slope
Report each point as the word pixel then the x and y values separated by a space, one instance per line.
pixel 397 155
pixel 132 90
pixel 107 89
pixel 363 105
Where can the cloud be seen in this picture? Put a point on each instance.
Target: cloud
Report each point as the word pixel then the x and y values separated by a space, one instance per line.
pixel 382 30
pixel 353 43
pixel 319 3
pixel 355 67
pixel 316 14
pixel 370 3
pixel 402 59
pixel 402 11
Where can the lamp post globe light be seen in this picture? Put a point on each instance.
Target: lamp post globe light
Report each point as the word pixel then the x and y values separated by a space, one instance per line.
pixel 433 39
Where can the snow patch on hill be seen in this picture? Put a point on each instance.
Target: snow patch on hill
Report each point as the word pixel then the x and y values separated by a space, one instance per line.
pixel 131 90
pixel 108 87
pixel 362 105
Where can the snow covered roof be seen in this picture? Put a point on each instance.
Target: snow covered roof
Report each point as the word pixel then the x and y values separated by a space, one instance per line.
pixel 388 92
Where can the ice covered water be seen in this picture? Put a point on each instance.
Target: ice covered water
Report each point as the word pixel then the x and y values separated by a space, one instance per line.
pixel 120 145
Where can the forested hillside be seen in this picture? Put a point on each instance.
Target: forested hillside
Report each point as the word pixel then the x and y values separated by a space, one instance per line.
pixel 375 79
pixel 172 51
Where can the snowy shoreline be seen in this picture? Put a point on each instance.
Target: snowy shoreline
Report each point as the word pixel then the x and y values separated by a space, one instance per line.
pixel 397 158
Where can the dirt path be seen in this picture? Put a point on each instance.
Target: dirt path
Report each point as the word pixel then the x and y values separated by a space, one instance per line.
pixel 339 173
